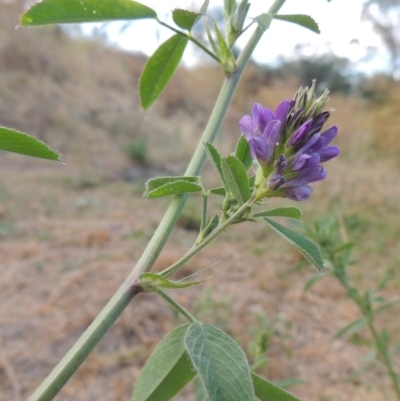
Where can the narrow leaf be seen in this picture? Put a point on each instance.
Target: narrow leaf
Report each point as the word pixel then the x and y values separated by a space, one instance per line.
pixel 304 245
pixel 173 188
pixel 264 21
pixel 149 281
pixel 160 68
pixel 218 191
pixel 18 142
pixel 220 362
pixel 242 152
pixel 185 19
pixel 300 19
pixel 236 178
pixel 291 212
pixel 167 370
pixel 228 61
pixel 312 281
pixel 266 391
pixel 154 183
pixel 74 11
pixel 216 161
pixel 353 327
pixel 385 306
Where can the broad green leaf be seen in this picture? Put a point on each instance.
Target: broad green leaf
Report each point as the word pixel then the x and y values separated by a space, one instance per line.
pixel 154 183
pixel 242 152
pixel 290 211
pixel 167 370
pixel 220 363
pixel 304 245
pixel 266 391
pixel 149 281
pixel 227 59
pixel 303 20
pixel 74 11
pixel 173 188
pixel 264 21
pixel 216 161
pixel 353 327
pixel 218 191
pixel 185 19
pixel 236 178
pixel 18 142
pixel 160 68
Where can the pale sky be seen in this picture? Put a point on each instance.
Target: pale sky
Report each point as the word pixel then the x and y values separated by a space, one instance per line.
pixel 339 22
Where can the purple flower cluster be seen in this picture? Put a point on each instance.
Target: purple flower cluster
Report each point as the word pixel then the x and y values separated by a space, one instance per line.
pixel 289 145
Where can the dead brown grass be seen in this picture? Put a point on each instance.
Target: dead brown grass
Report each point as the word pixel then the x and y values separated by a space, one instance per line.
pixel 70 234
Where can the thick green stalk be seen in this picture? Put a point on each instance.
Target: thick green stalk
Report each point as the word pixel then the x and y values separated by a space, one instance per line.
pixel 93 334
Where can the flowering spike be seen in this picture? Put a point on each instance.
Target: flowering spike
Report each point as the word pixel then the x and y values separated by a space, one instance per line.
pixel 289 146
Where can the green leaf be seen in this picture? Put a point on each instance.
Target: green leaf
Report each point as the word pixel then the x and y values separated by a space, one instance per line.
pixel 228 61
pixel 216 161
pixel 242 152
pixel 353 327
pixel 18 142
pixel 264 21
pixel 385 306
pixel 149 281
pixel 154 183
pixel 220 362
pixel 173 188
pixel 290 211
pixel 266 391
pixel 304 245
pixel 74 11
pixel 236 178
pixel 312 281
pixel 291 381
pixel 300 19
pixel 167 370
pixel 160 68
pixel 185 19
pixel 218 191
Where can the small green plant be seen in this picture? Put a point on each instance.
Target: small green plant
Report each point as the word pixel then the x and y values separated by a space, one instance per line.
pixel 138 151
pixel 330 234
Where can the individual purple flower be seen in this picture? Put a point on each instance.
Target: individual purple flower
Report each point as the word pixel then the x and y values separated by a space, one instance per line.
pixel 263 130
pixel 289 146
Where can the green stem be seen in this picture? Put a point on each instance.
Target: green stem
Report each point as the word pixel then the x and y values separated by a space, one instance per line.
pixel 192 39
pixel 382 350
pixel 203 213
pixel 104 320
pixel 168 272
pixel 176 305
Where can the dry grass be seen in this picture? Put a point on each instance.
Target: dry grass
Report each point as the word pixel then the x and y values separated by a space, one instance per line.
pixel 70 234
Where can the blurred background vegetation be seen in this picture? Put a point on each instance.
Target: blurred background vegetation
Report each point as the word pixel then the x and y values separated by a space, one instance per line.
pixel 64 226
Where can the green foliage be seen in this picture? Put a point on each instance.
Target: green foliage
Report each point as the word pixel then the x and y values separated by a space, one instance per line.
pixel 243 153
pixel 167 370
pixel 18 142
pixel 160 68
pixel 138 151
pixel 299 19
pixel 236 179
pixel 290 211
pixel 166 186
pixel 185 19
pixel 304 245
pixel 266 391
pixel 216 161
pixel 220 362
pixel 150 281
pixel 74 11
